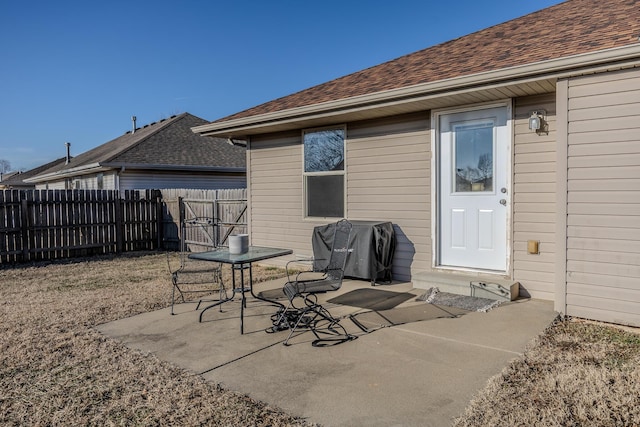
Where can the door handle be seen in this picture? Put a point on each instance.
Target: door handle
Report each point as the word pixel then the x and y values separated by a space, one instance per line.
pixel 503 202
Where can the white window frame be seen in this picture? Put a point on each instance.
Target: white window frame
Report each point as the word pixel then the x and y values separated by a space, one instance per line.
pixel 342 172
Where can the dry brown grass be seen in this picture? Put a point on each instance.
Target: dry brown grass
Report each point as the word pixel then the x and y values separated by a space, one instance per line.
pixel 576 374
pixel 56 370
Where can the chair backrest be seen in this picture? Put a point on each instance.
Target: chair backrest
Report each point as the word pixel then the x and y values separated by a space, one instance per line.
pixel 198 234
pixel 339 250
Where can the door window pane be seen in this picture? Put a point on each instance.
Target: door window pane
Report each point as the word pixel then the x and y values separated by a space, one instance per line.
pixel 473 152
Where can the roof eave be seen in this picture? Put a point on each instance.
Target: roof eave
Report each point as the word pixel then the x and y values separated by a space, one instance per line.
pixel 189 168
pixel 67 173
pixel 556 68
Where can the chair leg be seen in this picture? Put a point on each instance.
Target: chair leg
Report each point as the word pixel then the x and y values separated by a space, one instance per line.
pixel 303 314
pixel 280 320
pixel 221 289
pixel 326 328
pixel 173 299
pixel 173 293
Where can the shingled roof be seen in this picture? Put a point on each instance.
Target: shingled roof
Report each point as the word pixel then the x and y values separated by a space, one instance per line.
pixel 18 180
pixel 168 144
pixel 570 28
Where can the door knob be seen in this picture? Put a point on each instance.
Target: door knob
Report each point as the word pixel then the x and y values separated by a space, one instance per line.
pixel 503 202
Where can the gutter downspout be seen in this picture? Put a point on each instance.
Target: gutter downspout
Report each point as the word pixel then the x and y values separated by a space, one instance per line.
pixel 117 183
pixel 562 173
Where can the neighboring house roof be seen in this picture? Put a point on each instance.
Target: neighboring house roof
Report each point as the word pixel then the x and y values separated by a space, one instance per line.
pixel 168 144
pixel 17 180
pixel 5 176
pixel 569 29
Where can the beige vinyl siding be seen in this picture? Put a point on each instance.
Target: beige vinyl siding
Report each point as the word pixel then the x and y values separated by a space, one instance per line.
pixel 534 195
pixel 388 179
pixel 275 186
pixel 603 199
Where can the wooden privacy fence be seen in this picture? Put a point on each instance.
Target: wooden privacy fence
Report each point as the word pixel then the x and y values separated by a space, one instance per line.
pixel 53 224
pixel 227 209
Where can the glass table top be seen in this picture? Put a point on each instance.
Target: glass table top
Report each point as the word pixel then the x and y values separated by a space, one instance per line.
pixel 254 253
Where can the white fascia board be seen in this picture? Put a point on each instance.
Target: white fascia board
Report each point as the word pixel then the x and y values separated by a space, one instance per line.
pixel 556 68
pixel 67 173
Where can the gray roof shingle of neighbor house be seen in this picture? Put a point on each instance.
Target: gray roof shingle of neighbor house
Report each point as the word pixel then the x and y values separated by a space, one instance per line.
pixel 166 144
pixel 567 29
pixel 17 180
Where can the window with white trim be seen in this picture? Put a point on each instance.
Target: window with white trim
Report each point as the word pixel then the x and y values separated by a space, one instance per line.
pixel 324 172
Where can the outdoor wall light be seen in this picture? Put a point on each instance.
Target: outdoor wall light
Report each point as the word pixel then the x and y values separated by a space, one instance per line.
pixel 537 120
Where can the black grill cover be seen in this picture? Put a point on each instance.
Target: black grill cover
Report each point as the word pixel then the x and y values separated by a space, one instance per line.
pixel 372 245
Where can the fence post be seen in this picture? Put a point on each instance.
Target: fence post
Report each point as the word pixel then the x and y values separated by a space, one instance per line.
pixel 181 214
pixel 24 219
pixel 119 228
pixel 159 221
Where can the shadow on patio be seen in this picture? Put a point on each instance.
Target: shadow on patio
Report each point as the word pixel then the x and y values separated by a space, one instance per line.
pixel 418 365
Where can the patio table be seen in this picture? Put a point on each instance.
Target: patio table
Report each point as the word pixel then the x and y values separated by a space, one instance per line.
pixel 238 263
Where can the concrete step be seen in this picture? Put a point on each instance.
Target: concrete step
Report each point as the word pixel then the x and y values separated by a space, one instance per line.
pixel 473 284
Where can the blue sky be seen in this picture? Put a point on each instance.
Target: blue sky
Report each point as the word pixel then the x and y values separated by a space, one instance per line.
pixel 76 71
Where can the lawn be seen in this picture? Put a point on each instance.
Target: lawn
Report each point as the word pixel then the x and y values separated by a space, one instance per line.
pixel 55 369
pixel 577 373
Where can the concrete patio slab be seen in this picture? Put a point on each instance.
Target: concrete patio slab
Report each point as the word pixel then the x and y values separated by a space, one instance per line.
pixel 415 374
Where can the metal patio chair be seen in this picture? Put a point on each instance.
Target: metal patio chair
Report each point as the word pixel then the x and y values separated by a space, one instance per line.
pixel 304 312
pixel 193 277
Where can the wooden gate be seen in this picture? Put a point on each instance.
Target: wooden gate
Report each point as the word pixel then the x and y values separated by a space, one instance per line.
pixel 224 208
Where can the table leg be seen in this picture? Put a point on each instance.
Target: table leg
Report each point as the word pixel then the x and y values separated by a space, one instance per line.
pixel 243 299
pixel 241 289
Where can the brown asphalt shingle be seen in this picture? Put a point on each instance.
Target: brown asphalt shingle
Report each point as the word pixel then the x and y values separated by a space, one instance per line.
pixel 567 29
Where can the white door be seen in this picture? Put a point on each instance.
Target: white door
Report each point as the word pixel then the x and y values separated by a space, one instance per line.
pixel 473 197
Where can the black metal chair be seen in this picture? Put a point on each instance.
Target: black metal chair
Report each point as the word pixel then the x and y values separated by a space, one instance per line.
pixel 193 277
pixel 304 312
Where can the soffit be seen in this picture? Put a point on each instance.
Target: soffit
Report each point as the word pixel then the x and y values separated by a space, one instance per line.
pixel 391 108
